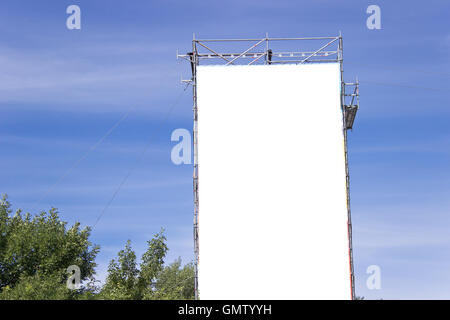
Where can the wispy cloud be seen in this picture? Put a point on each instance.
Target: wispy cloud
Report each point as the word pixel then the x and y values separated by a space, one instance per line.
pixel 88 81
pixel 432 146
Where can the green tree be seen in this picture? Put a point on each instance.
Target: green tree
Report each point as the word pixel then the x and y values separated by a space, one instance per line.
pixel 174 282
pixel 38 287
pixel 122 280
pixel 152 280
pixel 36 251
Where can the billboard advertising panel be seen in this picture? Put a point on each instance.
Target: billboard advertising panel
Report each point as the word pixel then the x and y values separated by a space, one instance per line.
pixel 272 183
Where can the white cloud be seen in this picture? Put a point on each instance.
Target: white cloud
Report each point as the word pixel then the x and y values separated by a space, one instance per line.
pixel 89 80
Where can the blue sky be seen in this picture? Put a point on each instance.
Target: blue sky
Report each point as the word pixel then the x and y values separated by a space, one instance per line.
pixel 61 90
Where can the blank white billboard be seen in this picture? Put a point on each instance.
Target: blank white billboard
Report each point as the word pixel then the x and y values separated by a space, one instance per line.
pixel 272 183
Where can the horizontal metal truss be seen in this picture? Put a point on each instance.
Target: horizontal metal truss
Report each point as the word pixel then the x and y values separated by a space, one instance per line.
pixel 259 51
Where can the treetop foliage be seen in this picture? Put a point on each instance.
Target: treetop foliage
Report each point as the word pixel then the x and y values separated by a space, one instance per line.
pixel 35 252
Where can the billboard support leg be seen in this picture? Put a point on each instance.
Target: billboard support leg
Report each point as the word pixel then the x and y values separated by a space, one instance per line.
pixel 347 175
pixel 194 62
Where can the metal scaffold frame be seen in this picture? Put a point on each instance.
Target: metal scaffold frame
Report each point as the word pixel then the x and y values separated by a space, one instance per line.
pixel 330 49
